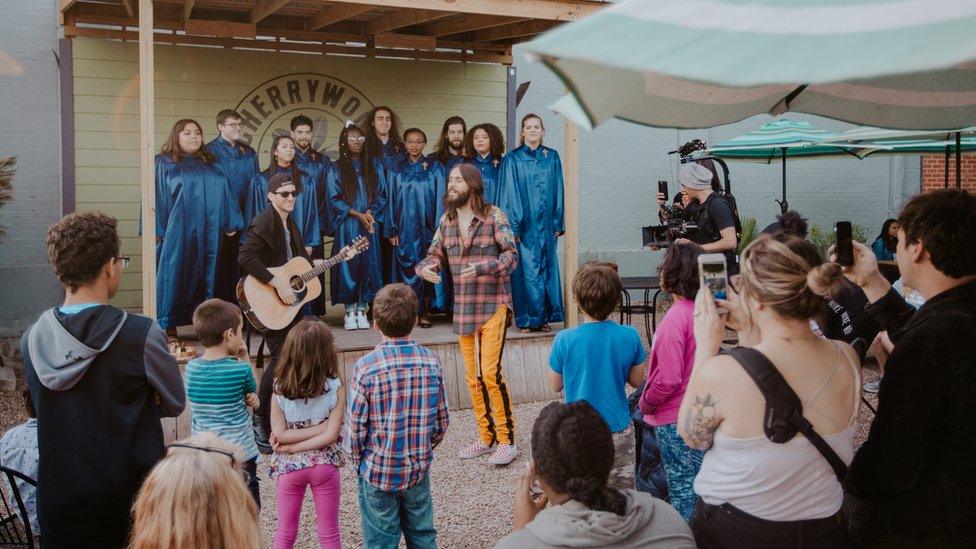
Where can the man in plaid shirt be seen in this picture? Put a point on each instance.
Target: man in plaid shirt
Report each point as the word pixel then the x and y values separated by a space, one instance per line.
pixel 475 241
pixel 397 414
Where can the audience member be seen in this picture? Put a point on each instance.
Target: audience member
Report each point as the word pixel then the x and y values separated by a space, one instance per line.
pixel 884 246
pixel 572 455
pixel 755 492
pixel 397 414
pixel 598 359
pixel 100 378
pixel 672 356
pixel 913 473
pixel 220 385
pixel 194 498
pixel 306 416
pixel 790 222
pixel 18 451
pixel 649 475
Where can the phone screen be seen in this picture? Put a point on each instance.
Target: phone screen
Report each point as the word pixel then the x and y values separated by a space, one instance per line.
pixel 845 243
pixel 662 188
pixel 714 276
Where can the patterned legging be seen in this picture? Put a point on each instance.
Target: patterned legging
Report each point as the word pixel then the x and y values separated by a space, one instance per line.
pixel 681 464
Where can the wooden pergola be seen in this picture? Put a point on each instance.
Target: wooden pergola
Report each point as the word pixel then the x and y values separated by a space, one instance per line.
pixel 477 31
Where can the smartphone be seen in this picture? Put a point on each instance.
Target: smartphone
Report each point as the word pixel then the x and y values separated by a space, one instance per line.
pixel 845 243
pixel 714 274
pixel 662 189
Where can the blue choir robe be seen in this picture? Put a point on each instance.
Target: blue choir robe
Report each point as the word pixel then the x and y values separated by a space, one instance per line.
pixel 390 157
pixel 239 163
pixel 490 168
pixel 195 206
pixel 314 165
pixel 411 210
pixel 356 280
pixel 305 214
pixel 532 183
pixel 444 291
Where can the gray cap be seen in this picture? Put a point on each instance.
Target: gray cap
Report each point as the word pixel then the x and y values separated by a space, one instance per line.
pixel 695 176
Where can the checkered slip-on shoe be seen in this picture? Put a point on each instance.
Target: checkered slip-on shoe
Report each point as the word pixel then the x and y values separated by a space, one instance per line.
pixel 474 450
pixel 505 454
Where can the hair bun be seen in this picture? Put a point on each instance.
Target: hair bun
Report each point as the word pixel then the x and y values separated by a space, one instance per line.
pixel 826 279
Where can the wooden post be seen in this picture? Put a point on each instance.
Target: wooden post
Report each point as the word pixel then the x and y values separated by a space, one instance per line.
pixel 147 148
pixel 571 216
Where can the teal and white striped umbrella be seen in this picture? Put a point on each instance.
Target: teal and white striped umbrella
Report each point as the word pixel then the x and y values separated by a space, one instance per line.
pixel 782 139
pixel 905 64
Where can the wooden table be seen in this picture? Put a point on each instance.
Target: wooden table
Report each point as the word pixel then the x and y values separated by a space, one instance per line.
pixel 647 307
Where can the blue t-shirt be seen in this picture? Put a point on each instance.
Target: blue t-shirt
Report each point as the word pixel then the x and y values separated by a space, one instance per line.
pixel 594 360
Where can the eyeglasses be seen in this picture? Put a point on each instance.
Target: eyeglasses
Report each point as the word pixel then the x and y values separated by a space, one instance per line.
pixel 124 260
pixel 412 142
pixel 233 124
pixel 233 459
pixel 358 139
pixel 287 194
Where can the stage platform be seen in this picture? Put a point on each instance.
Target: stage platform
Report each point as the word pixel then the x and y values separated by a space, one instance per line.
pixel 524 364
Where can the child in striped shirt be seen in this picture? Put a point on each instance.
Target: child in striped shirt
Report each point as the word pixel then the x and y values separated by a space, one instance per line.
pixel 220 386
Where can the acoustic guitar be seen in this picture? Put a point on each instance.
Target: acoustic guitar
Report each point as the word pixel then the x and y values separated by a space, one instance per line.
pixel 263 307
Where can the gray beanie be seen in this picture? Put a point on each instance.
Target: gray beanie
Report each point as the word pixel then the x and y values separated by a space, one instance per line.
pixel 695 176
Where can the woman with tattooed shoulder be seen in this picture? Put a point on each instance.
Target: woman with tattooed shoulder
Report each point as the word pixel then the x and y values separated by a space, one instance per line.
pixel 754 492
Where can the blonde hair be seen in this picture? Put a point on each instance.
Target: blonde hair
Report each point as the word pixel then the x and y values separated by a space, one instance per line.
pixel 196 498
pixel 787 274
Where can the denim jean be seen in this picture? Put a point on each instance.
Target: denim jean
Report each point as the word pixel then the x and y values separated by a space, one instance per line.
pixel 681 464
pixel 649 472
pixel 386 514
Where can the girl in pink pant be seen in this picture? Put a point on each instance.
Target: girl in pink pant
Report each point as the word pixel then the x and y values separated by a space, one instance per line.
pixel 306 414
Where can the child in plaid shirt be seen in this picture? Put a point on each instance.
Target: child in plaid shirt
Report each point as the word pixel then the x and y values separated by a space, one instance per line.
pixel 397 414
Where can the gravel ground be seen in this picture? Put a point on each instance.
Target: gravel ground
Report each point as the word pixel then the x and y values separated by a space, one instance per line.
pixel 472 499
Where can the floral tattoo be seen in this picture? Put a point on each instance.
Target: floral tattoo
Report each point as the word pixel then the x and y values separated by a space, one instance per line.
pixel 700 422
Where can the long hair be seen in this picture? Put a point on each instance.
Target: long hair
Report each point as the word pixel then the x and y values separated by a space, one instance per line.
pixel 308 358
pixel 350 185
pixel 172 145
pixel 890 242
pixel 525 119
pixel 373 139
pixel 476 188
pixel 196 498
pixel 296 174
pixel 572 448
pixel 442 151
pixel 494 137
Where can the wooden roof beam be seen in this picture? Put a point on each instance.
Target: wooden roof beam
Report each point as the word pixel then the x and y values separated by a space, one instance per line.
pixel 265 8
pixel 552 10
pixel 335 14
pixel 468 23
pixel 514 30
pixel 399 20
pixel 187 9
pixel 130 8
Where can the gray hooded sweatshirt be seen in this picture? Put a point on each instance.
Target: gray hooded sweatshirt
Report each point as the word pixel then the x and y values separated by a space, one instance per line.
pixel 648 522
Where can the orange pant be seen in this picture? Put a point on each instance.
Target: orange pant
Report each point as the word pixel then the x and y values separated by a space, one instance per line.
pixel 482 352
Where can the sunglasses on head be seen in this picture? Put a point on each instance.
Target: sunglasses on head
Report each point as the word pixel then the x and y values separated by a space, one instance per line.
pixel 233 459
pixel 287 194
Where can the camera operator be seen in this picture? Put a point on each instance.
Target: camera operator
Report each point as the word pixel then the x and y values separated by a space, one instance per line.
pixel 716 225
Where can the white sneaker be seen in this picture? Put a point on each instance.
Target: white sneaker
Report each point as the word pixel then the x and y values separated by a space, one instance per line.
pixel 351 323
pixel 361 321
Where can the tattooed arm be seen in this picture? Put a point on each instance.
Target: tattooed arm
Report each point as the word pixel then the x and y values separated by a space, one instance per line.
pixel 701 413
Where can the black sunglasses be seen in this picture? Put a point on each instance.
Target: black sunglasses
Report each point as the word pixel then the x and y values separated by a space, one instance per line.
pixel 286 194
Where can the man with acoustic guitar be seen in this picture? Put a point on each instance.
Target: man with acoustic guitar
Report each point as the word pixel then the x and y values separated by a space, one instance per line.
pixel 273 239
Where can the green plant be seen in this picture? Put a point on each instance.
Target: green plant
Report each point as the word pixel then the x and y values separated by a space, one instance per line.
pixel 6 186
pixel 823 239
pixel 596 255
pixel 748 233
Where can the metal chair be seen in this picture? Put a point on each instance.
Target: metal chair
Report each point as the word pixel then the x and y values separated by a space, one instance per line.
pixel 15 528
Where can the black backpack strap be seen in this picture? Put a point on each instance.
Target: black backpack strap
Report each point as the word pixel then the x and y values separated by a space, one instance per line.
pixel 783 417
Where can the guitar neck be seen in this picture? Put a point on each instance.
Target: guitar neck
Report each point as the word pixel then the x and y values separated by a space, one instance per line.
pixel 327 264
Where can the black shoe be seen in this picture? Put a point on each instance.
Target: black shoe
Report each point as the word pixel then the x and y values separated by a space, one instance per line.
pixel 261 435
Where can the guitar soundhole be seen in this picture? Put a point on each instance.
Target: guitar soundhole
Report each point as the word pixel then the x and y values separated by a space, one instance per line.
pixel 297 284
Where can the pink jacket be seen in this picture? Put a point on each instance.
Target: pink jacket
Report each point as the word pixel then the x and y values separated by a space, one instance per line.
pixel 672 356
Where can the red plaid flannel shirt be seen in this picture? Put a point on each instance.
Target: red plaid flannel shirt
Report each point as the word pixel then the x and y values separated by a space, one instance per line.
pixel 490 247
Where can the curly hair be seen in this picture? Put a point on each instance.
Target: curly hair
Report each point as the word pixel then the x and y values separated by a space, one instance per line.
pixel 679 270
pixel 495 140
pixel 572 449
pixel 80 244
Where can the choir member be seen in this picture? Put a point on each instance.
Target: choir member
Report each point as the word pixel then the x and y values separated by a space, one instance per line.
pixel 314 165
pixel 484 147
pixel 449 151
pixel 383 136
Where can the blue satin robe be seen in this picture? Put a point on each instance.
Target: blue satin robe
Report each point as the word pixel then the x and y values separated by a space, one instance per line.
pixel 239 163
pixel 305 214
pixel 356 280
pixel 532 183
pixel 391 157
pixel 314 166
pixel 411 210
pixel 490 168
pixel 195 206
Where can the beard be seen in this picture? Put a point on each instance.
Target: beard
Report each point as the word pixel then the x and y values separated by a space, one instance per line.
pixel 457 200
pixel 456 145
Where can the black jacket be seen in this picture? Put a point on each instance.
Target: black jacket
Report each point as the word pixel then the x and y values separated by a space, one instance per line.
pixel 265 245
pixel 94 377
pixel 915 473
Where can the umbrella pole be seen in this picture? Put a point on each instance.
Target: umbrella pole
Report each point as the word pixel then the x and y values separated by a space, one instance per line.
pixel 958 160
pixel 945 184
pixel 783 205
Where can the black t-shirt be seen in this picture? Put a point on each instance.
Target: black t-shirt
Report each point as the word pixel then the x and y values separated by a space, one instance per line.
pixel 717 218
pixel 847 318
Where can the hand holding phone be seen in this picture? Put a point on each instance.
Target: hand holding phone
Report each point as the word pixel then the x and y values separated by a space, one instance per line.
pixel 662 189
pixel 844 236
pixel 714 275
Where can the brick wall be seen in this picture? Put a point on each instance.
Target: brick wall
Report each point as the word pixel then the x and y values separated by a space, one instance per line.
pixel 933 172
